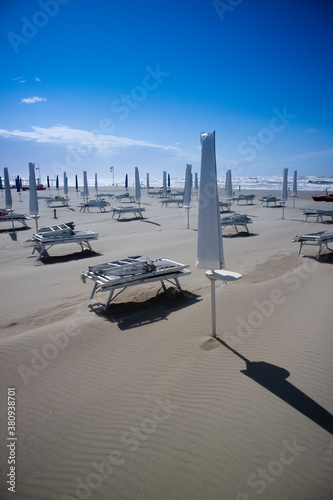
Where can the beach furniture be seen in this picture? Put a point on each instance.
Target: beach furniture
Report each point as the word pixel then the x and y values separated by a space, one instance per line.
pixel 125 196
pixel 245 197
pixel 272 199
pixel 320 239
pixel 318 214
pixel 61 234
pixel 9 216
pixel 236 220
pixel 136 211
pixel 57 200
pixel 105 195
pixel 86 205
pixel 172 201
pixel 225 206
pixel 131 271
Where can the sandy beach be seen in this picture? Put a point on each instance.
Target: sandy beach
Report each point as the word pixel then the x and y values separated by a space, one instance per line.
pixel 141 402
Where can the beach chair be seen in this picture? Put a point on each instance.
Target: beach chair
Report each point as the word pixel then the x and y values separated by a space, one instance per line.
pixel 136 211
pixel 320 239
pixel 236 220
pixel 318 214
pixel 8 216
pixel 131 271
pixel 59 235
pixel 58 200
pixel 272 199
pixel 105 195
pixel 86 205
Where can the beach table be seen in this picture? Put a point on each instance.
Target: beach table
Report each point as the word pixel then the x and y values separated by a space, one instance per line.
pixel 132 271
pixel 49 236
pixel 136 211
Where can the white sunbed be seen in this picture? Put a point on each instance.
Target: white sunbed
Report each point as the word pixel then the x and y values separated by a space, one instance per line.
pixel 136 211
pixel 59 200
pixel 225 206
pixel 320 239
pixel 105 195
pixel 236 220
pixel 6 216
pixel 172 201
pixel 245 197
pixel 125 196
pixel 272 199
pixel 319 214
pixel 120 274
pixel 86 205
pixel 60 234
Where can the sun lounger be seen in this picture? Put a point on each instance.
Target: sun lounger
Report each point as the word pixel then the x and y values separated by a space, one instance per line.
pixel 6 216
pixel 319 214
pixel 60 234
pixel 225 206
pixel 120 274
pixel 136 211
pixel 235 221
pixel 245 197
pixel 86 205
pixel 105 195
pixel 272 199
pixel 320 239
pixel 58 200
pixel 125 196
pixel 172 201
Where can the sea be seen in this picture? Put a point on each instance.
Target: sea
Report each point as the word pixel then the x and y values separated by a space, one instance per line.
pixel 304 183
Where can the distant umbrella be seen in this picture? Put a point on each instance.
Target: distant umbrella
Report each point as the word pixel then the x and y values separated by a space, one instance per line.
pixel 65 184
pixel 229 184
pixel 57 183
pixel 126 181
pixel 33 201
pixel 18 186
pixel 147 181
pixel 209 237
pixel 196 186
pixel 137 186
pixel 164 184
pixel 96 183
pixel 169 182
pixel 294 194
pixel 48 182
pixel 284 192
pixel 1 188
pixel 8 194
pixel 187 192
pixel 85 185
pixel 76 186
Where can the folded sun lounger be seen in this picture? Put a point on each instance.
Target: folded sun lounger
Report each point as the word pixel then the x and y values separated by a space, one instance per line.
pixel 236 220
pixel 125 196
pixel 58 200
pixel 5 216
pixel 245 197
pixel 58 235
pixel 320 239
pixel 86 205
pixel 120 274
pixel 167 201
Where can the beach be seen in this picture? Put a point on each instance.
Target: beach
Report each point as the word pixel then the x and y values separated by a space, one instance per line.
pixel 140 401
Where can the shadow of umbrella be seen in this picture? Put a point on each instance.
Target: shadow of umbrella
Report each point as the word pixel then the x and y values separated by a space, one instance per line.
pixel 273 378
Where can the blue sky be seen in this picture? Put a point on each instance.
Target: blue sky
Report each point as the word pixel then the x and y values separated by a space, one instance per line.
pixel 90 84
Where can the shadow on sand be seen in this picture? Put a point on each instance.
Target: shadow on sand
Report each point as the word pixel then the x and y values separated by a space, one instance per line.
pixel 273 378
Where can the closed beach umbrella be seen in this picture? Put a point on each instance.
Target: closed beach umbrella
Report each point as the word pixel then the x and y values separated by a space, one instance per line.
pixel 209 237
pixel 96 183
pixel 229 184
pixel 137 186
pixel 126 181
pixel 57 183
pixel 48 182
pixel 294 194
pixel 8 194
pixel 33 202
pixel 196 186
pixel 284 192
pixel 1 186
pixel 164 184
pixel 85 185
pixel 169 183
pixel 147 181
pixel 18 184
pixel 187 192
pixel 76 183
pixel 65 184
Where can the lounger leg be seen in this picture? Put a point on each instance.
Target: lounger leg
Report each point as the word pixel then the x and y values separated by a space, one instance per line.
pixel 163 285
pixel 93 291
pixel 106 307
pixel 300 249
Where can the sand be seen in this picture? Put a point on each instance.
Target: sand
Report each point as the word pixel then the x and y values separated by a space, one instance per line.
pixel 141 402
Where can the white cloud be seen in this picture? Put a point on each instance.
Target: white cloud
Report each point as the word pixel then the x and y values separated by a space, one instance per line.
pixel 31 100
pixel 311 130
pixel 82 140
pixel 312 154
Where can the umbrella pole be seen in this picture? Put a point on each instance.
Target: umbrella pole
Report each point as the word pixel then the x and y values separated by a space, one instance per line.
pixel 212 293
